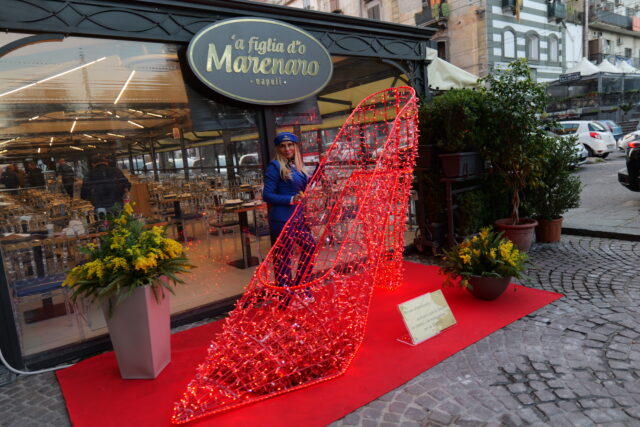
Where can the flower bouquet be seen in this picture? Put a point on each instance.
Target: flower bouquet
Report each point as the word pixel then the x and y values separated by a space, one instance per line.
pixel 484 259
pixel 128 257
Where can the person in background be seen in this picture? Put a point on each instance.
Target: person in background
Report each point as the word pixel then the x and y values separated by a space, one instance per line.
pixel 67 175
pixel 285 181
pixel 35 178
pixel 22 177
pixel 10 178
pixel 104 186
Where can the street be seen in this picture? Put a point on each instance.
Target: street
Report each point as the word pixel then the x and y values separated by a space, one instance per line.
pixel 605 205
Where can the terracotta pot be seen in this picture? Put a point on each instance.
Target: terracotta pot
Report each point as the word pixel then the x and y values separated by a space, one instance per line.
pixel 520 234
pixel 140 332
pixel 488 288
pixel 549 230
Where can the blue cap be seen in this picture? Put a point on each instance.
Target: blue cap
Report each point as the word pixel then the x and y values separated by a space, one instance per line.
pixel 285 136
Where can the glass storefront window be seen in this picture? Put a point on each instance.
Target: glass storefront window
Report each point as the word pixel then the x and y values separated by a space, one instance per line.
pixel 130 99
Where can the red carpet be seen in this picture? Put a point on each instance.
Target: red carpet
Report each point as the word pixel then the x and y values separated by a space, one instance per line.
pixel 96 396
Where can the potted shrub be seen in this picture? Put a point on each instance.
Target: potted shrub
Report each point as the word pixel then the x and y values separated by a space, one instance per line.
pixel 484 264
pixel 515 144
pixel 557 190
pixel 453 123
pixel 130 274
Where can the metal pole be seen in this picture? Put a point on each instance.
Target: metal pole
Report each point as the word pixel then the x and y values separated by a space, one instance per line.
pixel 156 177
pixel 131 168
pixel 185 159
pixel 585 30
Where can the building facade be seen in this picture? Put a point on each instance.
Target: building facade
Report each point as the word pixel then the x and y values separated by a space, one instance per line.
pixel 481 35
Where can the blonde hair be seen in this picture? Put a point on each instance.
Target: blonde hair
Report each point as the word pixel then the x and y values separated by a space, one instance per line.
pixel 285 170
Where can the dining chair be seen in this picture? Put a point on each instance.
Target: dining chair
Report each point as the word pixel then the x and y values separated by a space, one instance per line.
pixel 260 228
pixel 36 270
pixel 221 222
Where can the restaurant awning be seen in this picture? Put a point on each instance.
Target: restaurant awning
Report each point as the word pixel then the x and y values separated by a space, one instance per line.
pixel 607 67
pixel 443 75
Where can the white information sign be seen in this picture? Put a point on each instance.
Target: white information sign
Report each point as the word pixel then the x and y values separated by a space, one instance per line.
pixel 425 316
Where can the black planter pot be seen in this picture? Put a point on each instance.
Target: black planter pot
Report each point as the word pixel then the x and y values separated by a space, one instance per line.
pixel 461 165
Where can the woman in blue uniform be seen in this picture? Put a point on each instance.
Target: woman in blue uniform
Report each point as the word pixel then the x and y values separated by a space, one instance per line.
pixel 285 181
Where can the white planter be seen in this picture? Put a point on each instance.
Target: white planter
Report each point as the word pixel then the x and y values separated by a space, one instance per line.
pixel 140 333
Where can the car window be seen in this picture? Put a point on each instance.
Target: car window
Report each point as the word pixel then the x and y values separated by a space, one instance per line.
pixel 566 129
pixel 595 126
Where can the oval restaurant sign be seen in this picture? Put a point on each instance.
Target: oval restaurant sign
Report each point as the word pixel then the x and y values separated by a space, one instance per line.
pixel 260 61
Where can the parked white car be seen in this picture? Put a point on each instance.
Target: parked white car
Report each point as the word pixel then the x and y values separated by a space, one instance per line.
pixel 594 135
pixel 623 142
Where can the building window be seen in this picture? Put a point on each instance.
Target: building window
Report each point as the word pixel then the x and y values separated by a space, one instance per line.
pixel 373 10
pixel 533 47
pixel 442 50
pixel 509 44
pixel 627 52
pixel 553 48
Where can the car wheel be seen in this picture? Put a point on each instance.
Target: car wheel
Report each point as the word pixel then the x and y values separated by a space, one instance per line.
pixel 590 151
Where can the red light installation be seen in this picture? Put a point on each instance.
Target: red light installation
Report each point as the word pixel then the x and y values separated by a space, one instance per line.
pixel 302 317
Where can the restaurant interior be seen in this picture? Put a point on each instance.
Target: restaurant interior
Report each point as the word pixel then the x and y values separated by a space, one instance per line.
pixel 195 160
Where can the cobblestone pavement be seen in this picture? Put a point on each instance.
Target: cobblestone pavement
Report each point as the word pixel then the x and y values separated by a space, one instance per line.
pixel 573 362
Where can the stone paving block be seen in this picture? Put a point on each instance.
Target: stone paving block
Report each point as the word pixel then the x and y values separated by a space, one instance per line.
pixel 598 416
pixel 549 409
pixel 439 417
pixel 528 415
pixel 545 395
pixel 517 388
pixel 392 418
pixel 426 401
pixel 372 414
pixel 377 404
pixel 414 414
pixel 525 399
pixel 369 423
pixel 397 407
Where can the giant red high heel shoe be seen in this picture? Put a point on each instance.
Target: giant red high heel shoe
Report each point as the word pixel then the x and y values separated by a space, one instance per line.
pixel 293 330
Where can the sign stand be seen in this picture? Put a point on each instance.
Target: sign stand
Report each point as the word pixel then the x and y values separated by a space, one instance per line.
pixel 425 316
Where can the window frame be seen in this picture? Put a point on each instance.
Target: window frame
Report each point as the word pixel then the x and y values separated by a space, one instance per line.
pixel 528 44
pixel 551 39
pixel 515 43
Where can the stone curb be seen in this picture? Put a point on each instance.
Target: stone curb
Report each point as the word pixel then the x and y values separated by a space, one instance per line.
pixel 601 234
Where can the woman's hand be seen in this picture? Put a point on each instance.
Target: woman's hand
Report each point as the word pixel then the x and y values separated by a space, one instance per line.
pixel 297 198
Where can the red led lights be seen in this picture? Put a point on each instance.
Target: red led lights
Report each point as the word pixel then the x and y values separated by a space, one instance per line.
pixel 302 317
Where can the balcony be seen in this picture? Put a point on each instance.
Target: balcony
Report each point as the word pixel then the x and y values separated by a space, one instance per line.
pixel 438 14
pixel 557 11
pixel 610 18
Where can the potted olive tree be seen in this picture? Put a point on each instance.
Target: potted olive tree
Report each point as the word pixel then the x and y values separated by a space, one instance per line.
pixel 515 140
pixel 558 190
